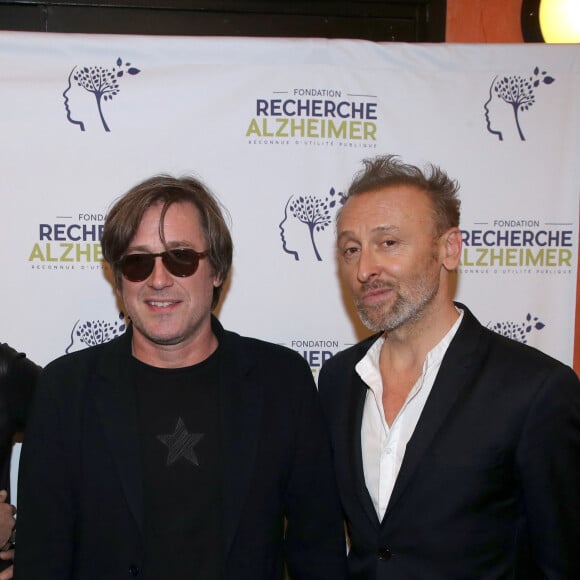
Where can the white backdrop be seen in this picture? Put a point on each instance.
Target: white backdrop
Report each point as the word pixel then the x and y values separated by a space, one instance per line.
pixel 277 128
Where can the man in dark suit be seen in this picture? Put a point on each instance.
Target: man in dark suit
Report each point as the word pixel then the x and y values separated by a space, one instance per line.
pixel 178 450
pixel 457 450
pixel 18 376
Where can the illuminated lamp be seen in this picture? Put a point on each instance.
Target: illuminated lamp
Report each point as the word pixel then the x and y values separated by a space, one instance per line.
pixel 560 20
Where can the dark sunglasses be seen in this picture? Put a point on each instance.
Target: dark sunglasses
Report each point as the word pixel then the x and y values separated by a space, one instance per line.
pixel 182 262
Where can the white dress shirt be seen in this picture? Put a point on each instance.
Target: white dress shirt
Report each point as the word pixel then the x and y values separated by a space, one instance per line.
pixel 383 447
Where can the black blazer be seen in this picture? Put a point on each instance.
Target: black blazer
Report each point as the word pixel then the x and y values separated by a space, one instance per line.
pixel 80 484
pixel 489 487
pixel 18 376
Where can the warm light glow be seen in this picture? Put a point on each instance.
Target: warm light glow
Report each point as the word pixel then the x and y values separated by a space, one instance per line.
pixel 560 20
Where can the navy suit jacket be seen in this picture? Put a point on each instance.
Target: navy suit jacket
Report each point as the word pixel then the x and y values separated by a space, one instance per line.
pixel 80 495
pixel 489 487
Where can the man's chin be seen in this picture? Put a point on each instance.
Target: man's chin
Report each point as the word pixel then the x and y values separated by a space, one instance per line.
pixel 378 320
pixel 162 338
pixel 170 340
pixel 372 319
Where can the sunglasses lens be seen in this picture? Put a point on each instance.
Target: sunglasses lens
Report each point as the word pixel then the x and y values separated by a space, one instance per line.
pixel 181 262
pixel 137 267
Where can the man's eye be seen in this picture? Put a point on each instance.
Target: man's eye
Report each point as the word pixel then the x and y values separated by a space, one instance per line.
pixel 389 243
pixel 350 252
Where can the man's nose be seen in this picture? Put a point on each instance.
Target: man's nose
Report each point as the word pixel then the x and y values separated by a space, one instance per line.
pixel 368 265
pixel 160 276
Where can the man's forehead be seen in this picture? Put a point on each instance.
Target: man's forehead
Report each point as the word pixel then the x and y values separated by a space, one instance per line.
pixel 172 204
pixel 177 221
pixel 386 198
pixel 371 230
pixel 180 209
pixel 385 210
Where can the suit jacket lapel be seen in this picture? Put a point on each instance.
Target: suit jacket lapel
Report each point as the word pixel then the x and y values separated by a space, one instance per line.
pixel 114 395
pixel 241 404
pixel 457 367
pixel 357 394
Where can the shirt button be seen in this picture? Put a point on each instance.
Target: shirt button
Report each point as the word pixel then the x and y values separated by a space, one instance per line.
pixel 134 570
pixel 384 553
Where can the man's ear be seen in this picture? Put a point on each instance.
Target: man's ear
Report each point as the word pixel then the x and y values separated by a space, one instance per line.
pixel 451 248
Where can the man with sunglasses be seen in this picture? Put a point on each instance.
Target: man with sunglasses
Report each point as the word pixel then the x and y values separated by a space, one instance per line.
pixel 178 450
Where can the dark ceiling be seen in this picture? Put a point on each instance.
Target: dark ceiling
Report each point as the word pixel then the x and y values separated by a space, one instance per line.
pixel 397 20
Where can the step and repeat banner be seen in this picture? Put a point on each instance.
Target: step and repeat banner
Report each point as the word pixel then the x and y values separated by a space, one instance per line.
pixel 276 128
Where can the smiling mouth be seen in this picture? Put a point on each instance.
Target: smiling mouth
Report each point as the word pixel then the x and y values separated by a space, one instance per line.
pixel 161 303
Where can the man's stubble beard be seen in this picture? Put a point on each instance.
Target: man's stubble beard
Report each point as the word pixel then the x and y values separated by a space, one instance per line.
pixel 404 309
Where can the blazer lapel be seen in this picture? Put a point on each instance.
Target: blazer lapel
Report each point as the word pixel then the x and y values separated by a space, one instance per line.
pixel 457 367
pixel 356 404
pixel 241 404
pixel 115 400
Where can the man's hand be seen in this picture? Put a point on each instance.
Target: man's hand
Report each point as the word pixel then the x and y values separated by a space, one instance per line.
pixel 7 521
pixel 7 574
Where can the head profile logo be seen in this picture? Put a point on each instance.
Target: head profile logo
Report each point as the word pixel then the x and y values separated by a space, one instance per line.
pixel 87 333
pixel 89 88
pixel 509 96
pixel 304 217
pixel 517 330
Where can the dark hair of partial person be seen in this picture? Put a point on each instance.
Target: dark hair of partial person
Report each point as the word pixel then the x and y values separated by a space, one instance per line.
pixel 388 170
pixel 125 216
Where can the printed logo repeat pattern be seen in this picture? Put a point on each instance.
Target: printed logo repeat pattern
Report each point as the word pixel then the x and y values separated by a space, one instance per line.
pixel 100 82
pixel 513 93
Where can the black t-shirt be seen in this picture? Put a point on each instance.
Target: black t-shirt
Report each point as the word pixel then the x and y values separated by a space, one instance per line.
pixel 182 467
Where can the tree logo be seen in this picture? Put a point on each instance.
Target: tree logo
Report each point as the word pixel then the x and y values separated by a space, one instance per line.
pixel 92 332
pixel 519 94
pixel 517 330
pixel 307 213
pixel 100 85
